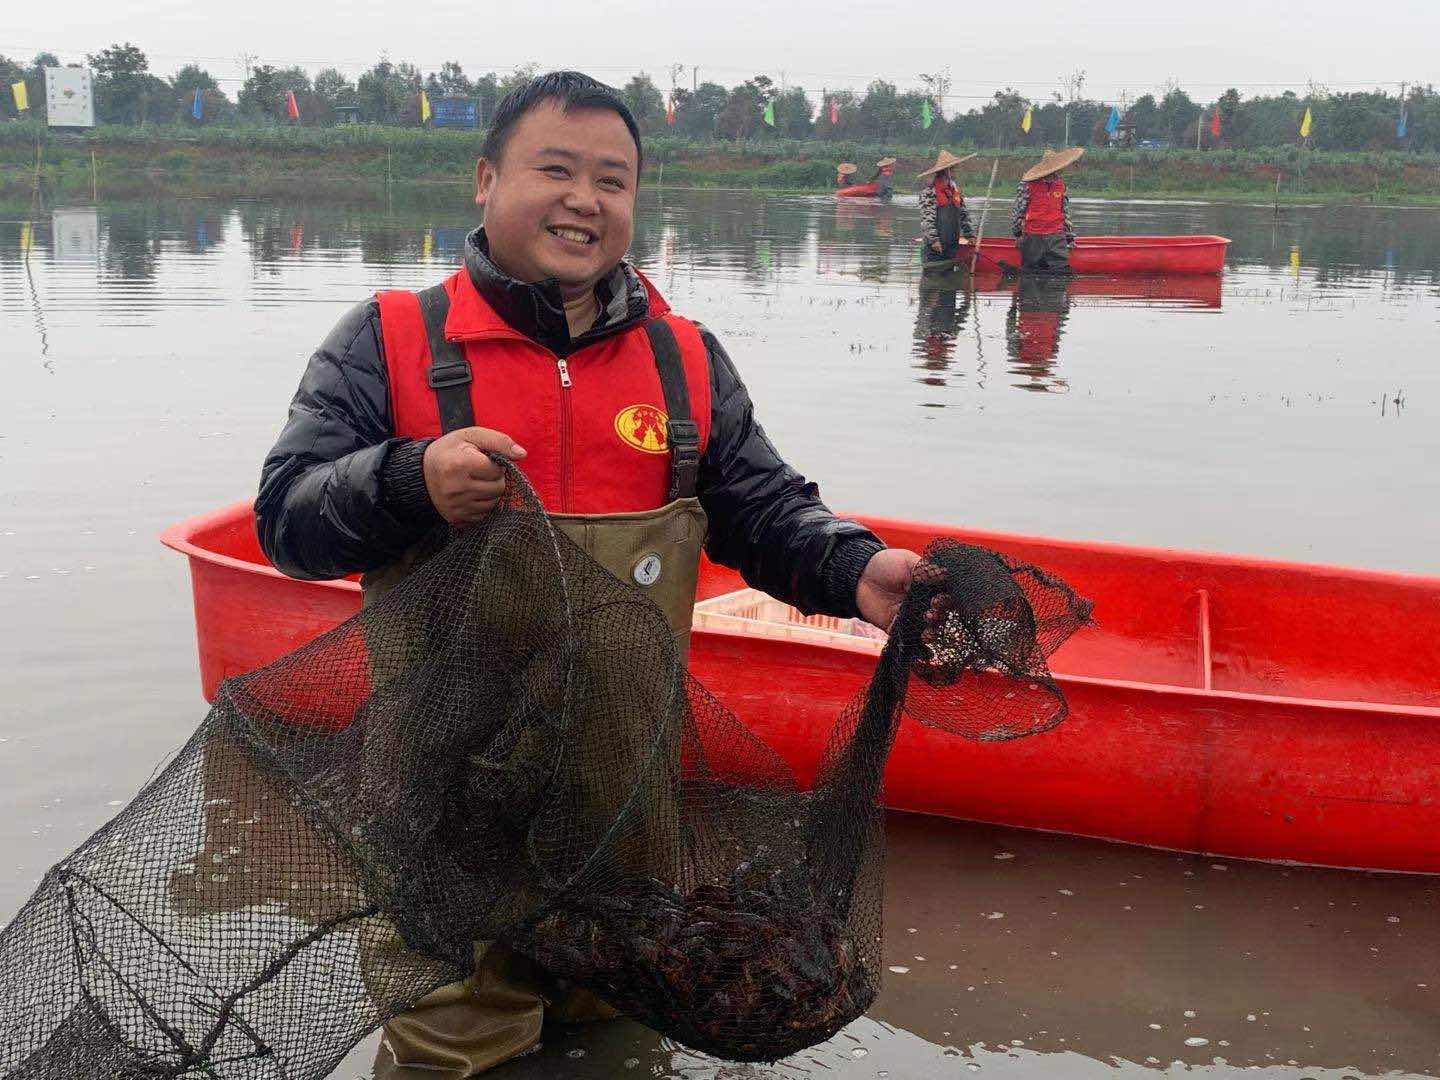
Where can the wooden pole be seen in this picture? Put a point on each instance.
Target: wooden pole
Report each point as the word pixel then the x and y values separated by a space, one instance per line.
pixel 980 234
pixel 94 178
pixel 1278 175
pixel 35 181
pixel 388 153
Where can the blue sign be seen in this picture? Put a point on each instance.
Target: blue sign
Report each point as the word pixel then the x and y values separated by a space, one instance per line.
pixel 455 112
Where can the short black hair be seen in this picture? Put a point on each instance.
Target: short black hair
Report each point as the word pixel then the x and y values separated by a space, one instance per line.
pixel 570 90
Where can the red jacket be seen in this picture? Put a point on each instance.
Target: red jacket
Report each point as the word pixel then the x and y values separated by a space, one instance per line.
pixel 592 423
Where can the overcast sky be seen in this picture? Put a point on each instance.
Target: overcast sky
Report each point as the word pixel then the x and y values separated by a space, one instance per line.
pixel 1123 45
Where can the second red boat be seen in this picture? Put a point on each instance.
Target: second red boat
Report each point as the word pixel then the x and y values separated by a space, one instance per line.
pixel 1111 255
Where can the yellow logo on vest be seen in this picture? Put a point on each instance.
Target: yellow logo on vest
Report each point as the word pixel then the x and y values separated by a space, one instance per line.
pixel 643 427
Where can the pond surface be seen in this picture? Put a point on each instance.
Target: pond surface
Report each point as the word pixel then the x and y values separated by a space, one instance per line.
pixel 1287 408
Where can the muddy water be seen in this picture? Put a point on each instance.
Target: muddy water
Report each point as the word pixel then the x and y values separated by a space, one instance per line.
pixel 1027 955
pixel 1286 409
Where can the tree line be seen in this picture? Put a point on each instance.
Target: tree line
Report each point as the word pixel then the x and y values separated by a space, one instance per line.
pixel 127 92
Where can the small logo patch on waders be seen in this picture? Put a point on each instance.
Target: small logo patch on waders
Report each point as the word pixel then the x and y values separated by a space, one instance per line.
pixel 647 569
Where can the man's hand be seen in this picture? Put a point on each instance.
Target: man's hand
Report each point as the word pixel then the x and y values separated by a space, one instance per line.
pixel 936 245
pixel 882 586
pixel 465 484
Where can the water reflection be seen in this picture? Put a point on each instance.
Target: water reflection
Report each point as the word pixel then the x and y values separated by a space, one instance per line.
pixel 1032 955
pixel 941 312
pixel 132 246
pixel 77 233
pixel 1039 309
pixel 1033 327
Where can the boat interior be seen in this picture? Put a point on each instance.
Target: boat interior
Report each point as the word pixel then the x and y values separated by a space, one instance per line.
pixel 1162 618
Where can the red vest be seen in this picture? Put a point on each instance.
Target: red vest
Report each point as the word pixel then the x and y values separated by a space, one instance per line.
pixel 946 193
pixel 1046 212
pixel 593 424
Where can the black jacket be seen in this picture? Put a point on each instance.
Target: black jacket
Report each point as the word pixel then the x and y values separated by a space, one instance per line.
pixel 340 493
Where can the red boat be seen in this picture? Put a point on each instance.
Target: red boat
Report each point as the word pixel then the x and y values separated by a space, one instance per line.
pixel 1114 255
pixel 1224 705
pixel 859 191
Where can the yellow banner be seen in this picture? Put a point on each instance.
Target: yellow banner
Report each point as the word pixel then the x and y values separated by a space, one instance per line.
pixel 1305 124
pixel 1025 122
pixel 424 106
pixel 22 96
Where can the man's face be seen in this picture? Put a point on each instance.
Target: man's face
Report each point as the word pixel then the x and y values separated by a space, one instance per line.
pixel 560 202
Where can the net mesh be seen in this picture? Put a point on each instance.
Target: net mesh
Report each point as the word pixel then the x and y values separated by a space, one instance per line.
pixel 506 748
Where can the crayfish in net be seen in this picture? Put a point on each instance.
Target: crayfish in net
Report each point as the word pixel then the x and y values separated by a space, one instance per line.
pixel 753 969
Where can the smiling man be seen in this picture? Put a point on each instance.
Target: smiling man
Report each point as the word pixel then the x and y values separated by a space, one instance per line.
pixel 630 422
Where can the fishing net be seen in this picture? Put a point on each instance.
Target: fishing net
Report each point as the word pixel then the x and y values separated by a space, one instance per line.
pixel 506 748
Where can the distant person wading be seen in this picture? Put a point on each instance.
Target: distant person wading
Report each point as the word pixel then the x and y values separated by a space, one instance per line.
pixel 884 178
pixel 1041 219
pixel 943 217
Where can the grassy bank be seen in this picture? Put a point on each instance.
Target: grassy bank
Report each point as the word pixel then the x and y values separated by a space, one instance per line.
pixel 358 161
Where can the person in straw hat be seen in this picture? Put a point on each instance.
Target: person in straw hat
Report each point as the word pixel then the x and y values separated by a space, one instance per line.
pixel 943 217
pixel 843 172
pixel 884 177
pixel 1041 221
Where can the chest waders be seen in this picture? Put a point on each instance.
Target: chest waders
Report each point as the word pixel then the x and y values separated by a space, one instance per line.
pixel 471 1026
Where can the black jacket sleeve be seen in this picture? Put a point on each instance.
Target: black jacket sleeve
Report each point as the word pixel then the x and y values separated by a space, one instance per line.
pixel 766 520
pixel 338 492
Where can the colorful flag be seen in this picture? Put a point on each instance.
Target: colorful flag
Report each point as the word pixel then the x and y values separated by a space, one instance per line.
pixel 1025 121
pixel 424 106
pixel 22 95
pixel 770 113
pixel 1402 124
pixel 670 111
pixel 834 112
pixel 292 107
pixel 1112 125
pixel 927 114
pixel 1305 124
pixel 1215 122
pixel 197 110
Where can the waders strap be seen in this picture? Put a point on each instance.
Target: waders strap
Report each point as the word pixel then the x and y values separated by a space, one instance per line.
pixel 449 372
pixel 682 435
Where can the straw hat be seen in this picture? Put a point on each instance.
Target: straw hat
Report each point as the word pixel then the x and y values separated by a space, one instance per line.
pixel 845 168
pixel 1053 162
pixel 946 160
pixel 884 161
